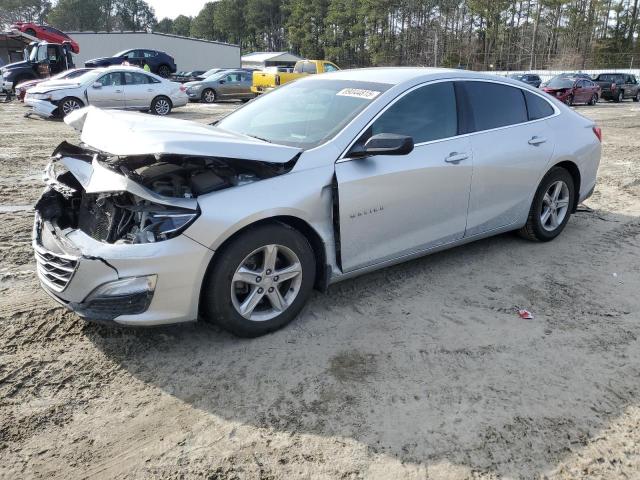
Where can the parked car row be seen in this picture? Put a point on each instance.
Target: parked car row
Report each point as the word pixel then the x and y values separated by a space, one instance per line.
pixel 573 87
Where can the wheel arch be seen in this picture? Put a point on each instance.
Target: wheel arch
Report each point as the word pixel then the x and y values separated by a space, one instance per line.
pixel 574 171
pixel 310 233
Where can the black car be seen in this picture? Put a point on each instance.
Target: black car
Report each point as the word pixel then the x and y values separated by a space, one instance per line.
pixel 159 62
pixel 183 77
pixel 528 78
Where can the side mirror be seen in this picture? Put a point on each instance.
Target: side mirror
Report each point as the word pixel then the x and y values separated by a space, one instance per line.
pixel 97 85
pixel 385 144
pixel 221 82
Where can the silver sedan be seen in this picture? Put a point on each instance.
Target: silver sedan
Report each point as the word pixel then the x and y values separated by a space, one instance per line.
pixel 126 88
pixel 323 179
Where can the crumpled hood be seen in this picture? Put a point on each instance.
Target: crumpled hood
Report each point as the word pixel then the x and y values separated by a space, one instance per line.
pixel 126 133
pixel 51 85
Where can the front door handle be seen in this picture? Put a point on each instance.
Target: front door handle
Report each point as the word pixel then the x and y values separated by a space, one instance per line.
pixel 150 90
pixel 456 158
pixel 537 141
pixel 118 91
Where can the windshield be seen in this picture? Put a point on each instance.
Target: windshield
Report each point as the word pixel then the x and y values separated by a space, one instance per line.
pixel 305 113
pixel 561 83
pixel 215 76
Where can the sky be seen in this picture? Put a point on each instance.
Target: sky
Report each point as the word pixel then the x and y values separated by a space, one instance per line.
pixel 173 8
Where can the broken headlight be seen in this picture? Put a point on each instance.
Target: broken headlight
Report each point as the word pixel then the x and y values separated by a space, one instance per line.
pixel 163 225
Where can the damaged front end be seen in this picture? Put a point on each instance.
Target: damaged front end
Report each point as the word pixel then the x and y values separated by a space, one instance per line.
pixel 137 199
pixel 107 235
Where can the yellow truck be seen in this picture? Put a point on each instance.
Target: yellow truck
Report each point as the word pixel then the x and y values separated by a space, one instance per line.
pixel 266 81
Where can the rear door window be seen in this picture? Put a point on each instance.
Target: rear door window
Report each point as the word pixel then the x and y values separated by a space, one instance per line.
pixel 537 107
pixel 134 78
pixel 493 105
pixel 113 79
pixel 427 113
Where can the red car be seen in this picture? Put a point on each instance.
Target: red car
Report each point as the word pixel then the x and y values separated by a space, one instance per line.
pixel 21 88
pixel 44 32
pixel 572 90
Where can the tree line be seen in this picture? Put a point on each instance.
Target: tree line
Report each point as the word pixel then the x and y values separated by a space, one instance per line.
pixel 473 34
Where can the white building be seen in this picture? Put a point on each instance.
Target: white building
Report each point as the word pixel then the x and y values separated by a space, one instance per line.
pixel 269 59
pixel 189 53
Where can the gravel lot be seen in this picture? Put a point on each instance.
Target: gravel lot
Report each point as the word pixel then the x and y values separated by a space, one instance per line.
pixel 422 370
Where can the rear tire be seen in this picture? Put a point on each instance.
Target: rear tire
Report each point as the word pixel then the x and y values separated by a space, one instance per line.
pixel 161 106
pixel 541 226
pixel 637 97
pixel 594 99
pixel 164 71
pixel 225 294
pixel 619 98
pixel 68 105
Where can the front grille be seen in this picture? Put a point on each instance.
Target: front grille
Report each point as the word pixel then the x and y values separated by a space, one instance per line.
pixel 55 270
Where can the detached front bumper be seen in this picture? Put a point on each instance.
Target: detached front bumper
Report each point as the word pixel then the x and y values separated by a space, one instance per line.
pixel 131 284
pixel 42 108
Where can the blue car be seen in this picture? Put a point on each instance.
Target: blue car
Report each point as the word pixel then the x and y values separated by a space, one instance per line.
pixel 160 63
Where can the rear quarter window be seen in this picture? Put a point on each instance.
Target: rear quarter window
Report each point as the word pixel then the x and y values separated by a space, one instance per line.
pixel 537 107
pixel 494 105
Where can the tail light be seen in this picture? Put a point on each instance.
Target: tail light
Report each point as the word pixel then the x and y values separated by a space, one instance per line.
pixel 183 88
pixel 613 87
pixel 598 133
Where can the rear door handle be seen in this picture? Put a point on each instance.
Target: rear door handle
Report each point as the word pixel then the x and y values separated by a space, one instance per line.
pixel 456 158
pixel 149 89
pixel 537 141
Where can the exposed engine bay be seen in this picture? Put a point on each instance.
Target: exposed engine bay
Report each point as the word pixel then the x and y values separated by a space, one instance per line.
pixel 159 203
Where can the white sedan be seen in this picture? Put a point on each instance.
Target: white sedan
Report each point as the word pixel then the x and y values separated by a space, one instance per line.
pixel 126 88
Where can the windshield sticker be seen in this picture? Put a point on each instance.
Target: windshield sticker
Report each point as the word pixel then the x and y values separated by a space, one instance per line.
pixel 358 93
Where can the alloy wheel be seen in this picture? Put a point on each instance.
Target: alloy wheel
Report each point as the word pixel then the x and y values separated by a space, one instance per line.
pixel 266 282
pixel 163 71
pixel 69 106
pixel 162 106
pixel 555 205
pixel 209 96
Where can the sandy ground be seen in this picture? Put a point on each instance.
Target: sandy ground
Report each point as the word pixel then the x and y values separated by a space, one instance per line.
pixel 423 370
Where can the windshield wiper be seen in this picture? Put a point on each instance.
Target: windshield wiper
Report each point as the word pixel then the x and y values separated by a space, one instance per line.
pixel 260 138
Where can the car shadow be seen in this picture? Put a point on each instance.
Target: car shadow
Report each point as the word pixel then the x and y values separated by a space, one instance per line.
pixel 428 361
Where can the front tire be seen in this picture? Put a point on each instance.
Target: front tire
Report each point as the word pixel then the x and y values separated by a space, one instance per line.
pixel 260 281
pixel 569 100
pixel 619 97
pixel 68 105
pixel 594 99
pixel 637 97
pixel 161 106
pixel 209 96
pixel 551 207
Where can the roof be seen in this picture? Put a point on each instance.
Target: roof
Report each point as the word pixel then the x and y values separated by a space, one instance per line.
pixel 398 75
pixel 259 57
